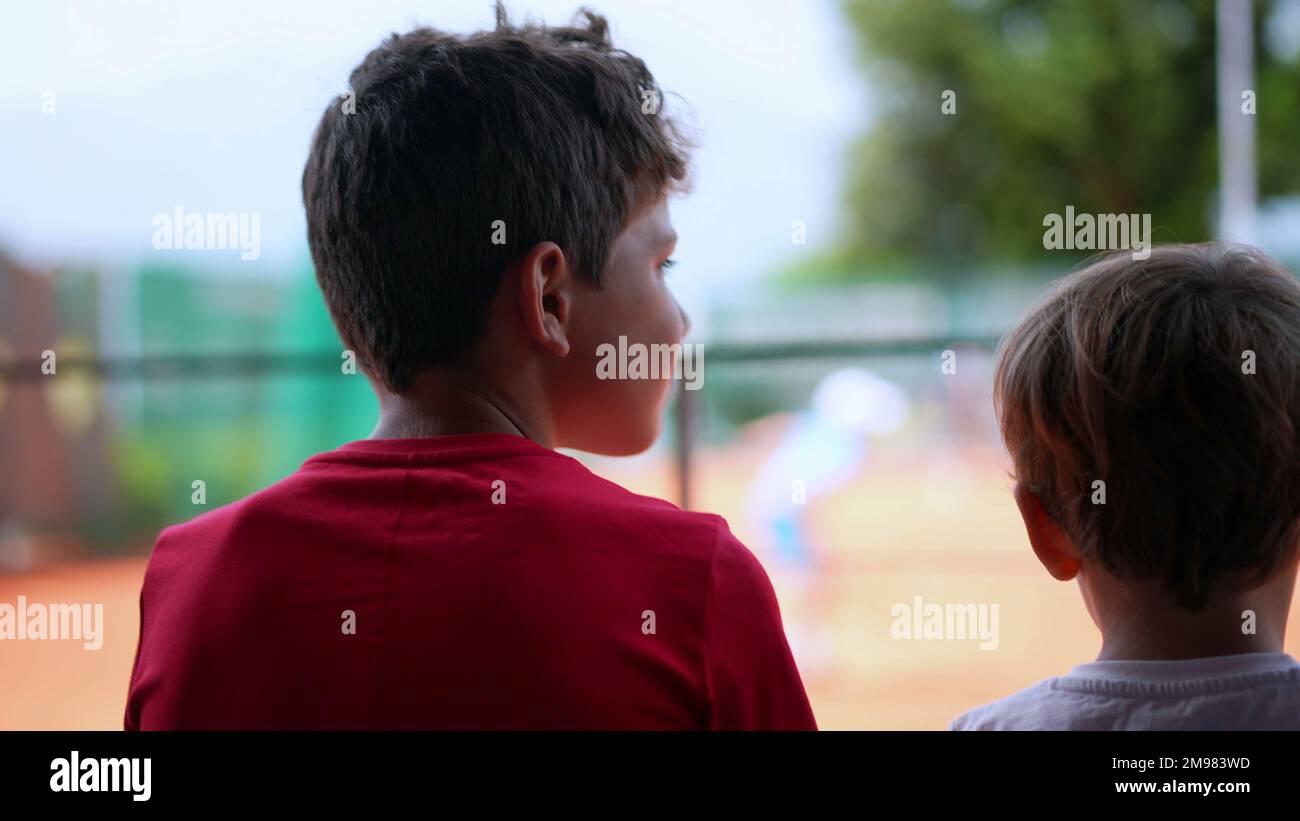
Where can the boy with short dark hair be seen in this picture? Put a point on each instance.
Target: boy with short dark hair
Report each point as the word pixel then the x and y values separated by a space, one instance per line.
pixel 491 212
pixel 1152 412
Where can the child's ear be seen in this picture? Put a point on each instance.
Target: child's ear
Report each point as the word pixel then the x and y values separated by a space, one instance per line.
pixel 546 296
pixel 1052 547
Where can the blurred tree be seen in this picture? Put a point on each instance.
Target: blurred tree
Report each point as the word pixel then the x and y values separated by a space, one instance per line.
pixel 1106 105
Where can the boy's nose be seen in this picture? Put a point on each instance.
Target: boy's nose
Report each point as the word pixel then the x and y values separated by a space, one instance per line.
pixel 686 318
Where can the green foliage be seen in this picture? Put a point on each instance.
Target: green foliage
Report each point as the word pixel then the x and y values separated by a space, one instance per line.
pixel 1107 105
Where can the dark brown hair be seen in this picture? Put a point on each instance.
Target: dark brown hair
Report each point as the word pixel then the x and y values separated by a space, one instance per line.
pixel 1134 372
pixel 552 131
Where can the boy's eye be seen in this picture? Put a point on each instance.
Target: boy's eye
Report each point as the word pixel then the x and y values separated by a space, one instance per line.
pixel 667 264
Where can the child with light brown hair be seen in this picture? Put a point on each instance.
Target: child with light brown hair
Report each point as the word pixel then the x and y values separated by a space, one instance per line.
pixel 1152 412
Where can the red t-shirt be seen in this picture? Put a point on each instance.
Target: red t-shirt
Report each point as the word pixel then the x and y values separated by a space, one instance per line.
pixel 458 582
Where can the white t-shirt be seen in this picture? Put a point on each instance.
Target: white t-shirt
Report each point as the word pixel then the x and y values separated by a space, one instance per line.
pixel 1248 691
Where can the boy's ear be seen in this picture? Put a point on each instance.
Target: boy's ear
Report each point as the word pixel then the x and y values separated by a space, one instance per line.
pixel 546 296
pixel 1052 547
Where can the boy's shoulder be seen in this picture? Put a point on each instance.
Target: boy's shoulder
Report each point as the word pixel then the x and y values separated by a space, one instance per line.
pixel 1034 708
pixel 1246 691
pixel 655 523
pixel 532 487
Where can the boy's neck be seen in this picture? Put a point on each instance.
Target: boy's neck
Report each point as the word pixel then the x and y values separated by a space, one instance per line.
pixel 1165 644
pixel 440 404
pixel 1138 622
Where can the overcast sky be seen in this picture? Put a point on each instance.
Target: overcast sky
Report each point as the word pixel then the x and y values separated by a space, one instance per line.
pixel 210 106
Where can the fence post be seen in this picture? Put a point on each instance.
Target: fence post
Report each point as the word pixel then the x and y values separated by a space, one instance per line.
pixel 685 413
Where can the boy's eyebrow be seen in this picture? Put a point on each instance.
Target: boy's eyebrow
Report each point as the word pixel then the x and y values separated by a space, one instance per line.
pixel 668 240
